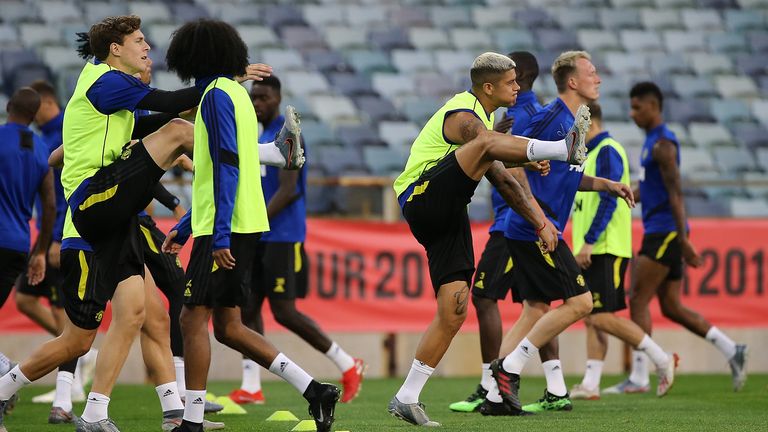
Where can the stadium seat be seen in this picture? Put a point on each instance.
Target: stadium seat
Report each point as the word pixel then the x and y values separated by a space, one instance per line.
pixel 340 160
pixel 676 4
pixel 427 38
pixel 534 18
pixel 237 16
pixel 184 12
pixel 346 37
pixel 691 87
pixel 8 36
pixel 450 17
pixel 351 84
pixel 283 59
pixel 306 83
pixel 735 86
pixel 317 134
pixel 762 158
pixel 702 19
pixel 454 62
pixel 709 135
pixel 625 63
pixel 375 109
pixel 626 133
pixel 614 109
pixel 159 35
pixel 327 61
pixel 641 41
pixel 365 16
pixel 359 136
pixel 510 39
pixel 369 62
pixel 748 207
pixel 302 38
pixel 324 16
pixel 25 74
pixel 319 197
pixel 620 19
pixel 56 12
pixel 598 40
pixel 166 81
pixel 758 40
pixel 751 135
pixel 398 135
pixel 471 39
pixel 687 110
pixel 727 42
pixel 419 109
pixel 150 12
pixel 434 85
pixel 389 39
pixel 684 41
pixel 681 133
pixel 710 64
pixel 738 20
pixel 668 64
pixel 661 19
pixel 410 16
pixel 393 85
pixel 729 111
pixel 334 109
pixel 278 16
pixel 557 40
pixel 613 85
pixel 760 111
pixel 258 36
pixel 59 58
pixel 753 65
pixel 411 61
pixel 704 207
pixel 36 35
pixel 384 161
pixel 577 18
pixel 696 160
pixel 492 16
pixel 631 3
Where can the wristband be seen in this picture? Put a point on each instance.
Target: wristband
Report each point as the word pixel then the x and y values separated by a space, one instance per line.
pixel 539 230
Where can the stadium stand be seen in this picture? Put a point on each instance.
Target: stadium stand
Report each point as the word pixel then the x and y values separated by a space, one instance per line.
pixel 366 75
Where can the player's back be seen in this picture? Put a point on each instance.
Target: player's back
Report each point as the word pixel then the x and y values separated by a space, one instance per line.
pixel 24 164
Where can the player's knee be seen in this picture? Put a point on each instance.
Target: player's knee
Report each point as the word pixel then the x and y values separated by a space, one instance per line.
pixel 156 323
pixel 25 303
pixel 179 130
pixel 482 304
pixel 671 311
pixel 225 331
pixel 454 320
pixel 582 305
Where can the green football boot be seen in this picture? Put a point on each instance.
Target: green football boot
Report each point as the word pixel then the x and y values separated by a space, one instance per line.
pixel 472 403
pixel 550 402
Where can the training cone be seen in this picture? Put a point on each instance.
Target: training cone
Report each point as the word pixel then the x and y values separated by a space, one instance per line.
pixel 282 416
pixel 305 425
pixel 210 397
pixel 230 407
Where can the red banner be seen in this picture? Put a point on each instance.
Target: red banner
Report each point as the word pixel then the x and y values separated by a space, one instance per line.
pixel 372 276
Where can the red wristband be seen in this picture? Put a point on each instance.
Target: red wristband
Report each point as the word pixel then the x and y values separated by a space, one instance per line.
pixel 539 230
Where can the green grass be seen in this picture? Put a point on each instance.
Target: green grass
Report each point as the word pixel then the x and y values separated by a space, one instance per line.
pixel 697 403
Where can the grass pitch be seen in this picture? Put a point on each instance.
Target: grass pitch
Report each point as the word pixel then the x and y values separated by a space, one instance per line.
pixel 696 403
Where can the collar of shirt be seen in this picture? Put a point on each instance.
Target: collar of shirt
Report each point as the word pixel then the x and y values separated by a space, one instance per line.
pixel 53 124
pixel 597 139
pixel 20 126
pixel 526 97
pixel 203 82
pixel 657 130
pixel 487 114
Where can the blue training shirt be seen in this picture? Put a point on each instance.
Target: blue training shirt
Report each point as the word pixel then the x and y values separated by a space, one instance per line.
pixel 23 171
pixel 555 192
pixel 524 108
pixel 608 165
pixel 52 136
pixel 290 225
pixel 657 212
pixel 115 91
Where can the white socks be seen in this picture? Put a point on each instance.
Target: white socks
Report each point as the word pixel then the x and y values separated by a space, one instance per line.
pixel 340 358
pixel 170 399
pixel 251 376
pixel 96 408
pixel 725 344
pixel 270 155
pixel 486 381
pixel 178 364
pixel 539 150
pixel 5 364
pixel 283 367
pixel 654 351
pixel 593 374
pixel 63 397
pixel 553 371
pixel 639 373
pixel 194 409
pixel 414 382
pixel 515 361
pixel 11 382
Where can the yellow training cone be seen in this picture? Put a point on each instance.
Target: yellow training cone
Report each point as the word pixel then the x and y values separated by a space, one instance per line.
pixel 282 416
pixel 230 407
pixel 305 425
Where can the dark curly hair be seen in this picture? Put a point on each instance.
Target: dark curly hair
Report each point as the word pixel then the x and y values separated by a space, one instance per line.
pixel 110 30
pixel 205 48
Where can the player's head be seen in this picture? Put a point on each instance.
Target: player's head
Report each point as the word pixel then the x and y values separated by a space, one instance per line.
pixel 116 40
pixel 49 103
pixel 206 48
pixel 526 67
pixel 23 106
pixel 574 72
pixel 645 104
pixel 493 75
pixel 266 98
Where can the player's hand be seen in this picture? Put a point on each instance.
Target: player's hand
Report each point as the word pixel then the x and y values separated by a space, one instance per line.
pixel 36 269
pixel 255 72
pixel 179 212
pixel 620 190
pixel 548 236
pixel 170 246
pixel 584 257
pixel 690 256
pixel 542 167
pixel 185 163
pixel 224 259
pixel 505 124
pixel 54 255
